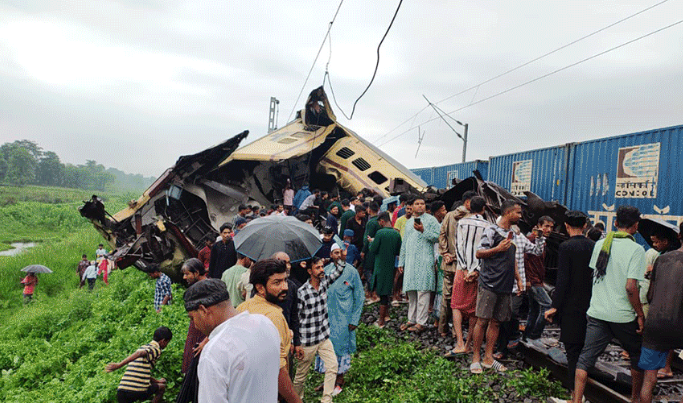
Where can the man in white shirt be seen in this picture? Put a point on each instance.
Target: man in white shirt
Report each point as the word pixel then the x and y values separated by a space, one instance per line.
pixel 241 361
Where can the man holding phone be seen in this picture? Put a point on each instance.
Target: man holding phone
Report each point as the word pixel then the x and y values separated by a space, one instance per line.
pixel 416 262
pixel 497 275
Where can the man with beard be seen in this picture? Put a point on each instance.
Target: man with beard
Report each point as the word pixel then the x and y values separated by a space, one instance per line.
pixel 315 327
pixel 269 278
pixel 345 303
pixel 240 360
pixel 290 308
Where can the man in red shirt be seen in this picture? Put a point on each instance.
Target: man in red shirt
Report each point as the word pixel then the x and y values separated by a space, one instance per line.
pixel 205 253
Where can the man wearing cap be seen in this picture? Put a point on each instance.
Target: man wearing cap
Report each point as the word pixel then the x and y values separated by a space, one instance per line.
pixel 240 361
pixel 269 278
pixel 345 300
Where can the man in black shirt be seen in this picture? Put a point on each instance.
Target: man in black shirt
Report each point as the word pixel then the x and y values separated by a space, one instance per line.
pixel 357 225
pixel 223 254
pixel 573 290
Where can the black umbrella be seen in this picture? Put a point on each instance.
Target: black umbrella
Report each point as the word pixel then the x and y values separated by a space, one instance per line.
pixel 36 268
pixel 649 226
pixel 262 237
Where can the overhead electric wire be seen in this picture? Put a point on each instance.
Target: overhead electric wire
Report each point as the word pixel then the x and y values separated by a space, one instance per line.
pixel 374 74
pixel 523 65
pixel 541 77
pixel 315 60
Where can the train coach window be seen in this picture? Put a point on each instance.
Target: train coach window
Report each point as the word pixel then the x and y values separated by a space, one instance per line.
pixel 377 177
pixel 345 152
pixel 361 164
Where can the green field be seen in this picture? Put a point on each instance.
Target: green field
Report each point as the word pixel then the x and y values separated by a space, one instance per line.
pixel 55 349
pixel 42 214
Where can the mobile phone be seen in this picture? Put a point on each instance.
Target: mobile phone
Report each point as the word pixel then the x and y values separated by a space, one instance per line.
pixel 418 221
pixel 511 235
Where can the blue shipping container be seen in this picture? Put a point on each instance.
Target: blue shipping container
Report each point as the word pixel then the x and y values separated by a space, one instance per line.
pixel 542 172
pixel 643 169
pixel 427 174
pixel 442 177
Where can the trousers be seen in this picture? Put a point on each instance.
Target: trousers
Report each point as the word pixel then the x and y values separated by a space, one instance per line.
pixel 446 312
pixel 418 307
pixel 326 352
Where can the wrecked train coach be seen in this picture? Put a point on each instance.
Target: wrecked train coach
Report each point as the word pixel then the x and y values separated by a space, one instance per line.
pixel 190 201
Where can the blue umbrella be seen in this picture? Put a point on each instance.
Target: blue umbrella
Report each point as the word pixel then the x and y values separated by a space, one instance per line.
pixel 263 237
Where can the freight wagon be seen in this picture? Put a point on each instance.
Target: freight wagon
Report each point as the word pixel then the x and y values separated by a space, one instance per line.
pixel 442 177
pixel 641 169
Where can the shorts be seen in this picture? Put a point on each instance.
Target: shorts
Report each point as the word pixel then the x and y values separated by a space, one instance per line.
pixel 652 360
pixel 492 305
pixel 127 396
pixel 599 334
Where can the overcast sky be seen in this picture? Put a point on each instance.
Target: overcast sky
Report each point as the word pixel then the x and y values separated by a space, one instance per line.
pixel 133 84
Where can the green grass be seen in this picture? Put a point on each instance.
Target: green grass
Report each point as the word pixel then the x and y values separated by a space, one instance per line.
pixel 60 255
pixel 43 214
pixel 55 350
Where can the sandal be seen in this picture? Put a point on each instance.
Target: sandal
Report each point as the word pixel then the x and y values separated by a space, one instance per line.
pixel 376 324
pixel 664 375
pixel 475 368
pixel 453 353
pixel 406 325
pixel 496 366
pixel 417 329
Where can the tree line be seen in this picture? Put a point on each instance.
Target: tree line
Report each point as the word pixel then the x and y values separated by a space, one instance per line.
pixel 23 162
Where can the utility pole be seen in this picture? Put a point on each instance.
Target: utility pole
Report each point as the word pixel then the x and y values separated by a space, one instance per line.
pixel 465 125
pixel 464 142
pixel 273 115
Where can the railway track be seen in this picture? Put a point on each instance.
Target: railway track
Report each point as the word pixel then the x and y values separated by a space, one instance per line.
pixel 610 381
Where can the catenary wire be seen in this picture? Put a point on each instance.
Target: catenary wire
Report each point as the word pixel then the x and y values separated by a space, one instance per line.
pixel 523 65
pixel 541 77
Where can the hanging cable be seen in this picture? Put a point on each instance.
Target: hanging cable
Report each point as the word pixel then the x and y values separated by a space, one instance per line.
pixel 315 60
pixel 542 77
pixel 353 110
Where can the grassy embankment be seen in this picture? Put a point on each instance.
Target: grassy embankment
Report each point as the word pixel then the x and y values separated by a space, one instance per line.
pixel 50 217
pixel 55 349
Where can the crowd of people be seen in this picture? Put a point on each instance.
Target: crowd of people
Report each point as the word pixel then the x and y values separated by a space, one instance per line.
pixel 459 274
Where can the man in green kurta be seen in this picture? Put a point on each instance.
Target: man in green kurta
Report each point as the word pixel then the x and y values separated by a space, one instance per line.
pixel 386 245
pixel 348 212
pixel 416 261
pixel 368 257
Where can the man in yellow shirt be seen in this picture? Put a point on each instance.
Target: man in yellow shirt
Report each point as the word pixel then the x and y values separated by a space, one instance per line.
pixel 269 278
pixel 401 221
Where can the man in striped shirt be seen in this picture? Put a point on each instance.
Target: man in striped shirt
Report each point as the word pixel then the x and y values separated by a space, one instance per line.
pixel 137 383
pixel 463 299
